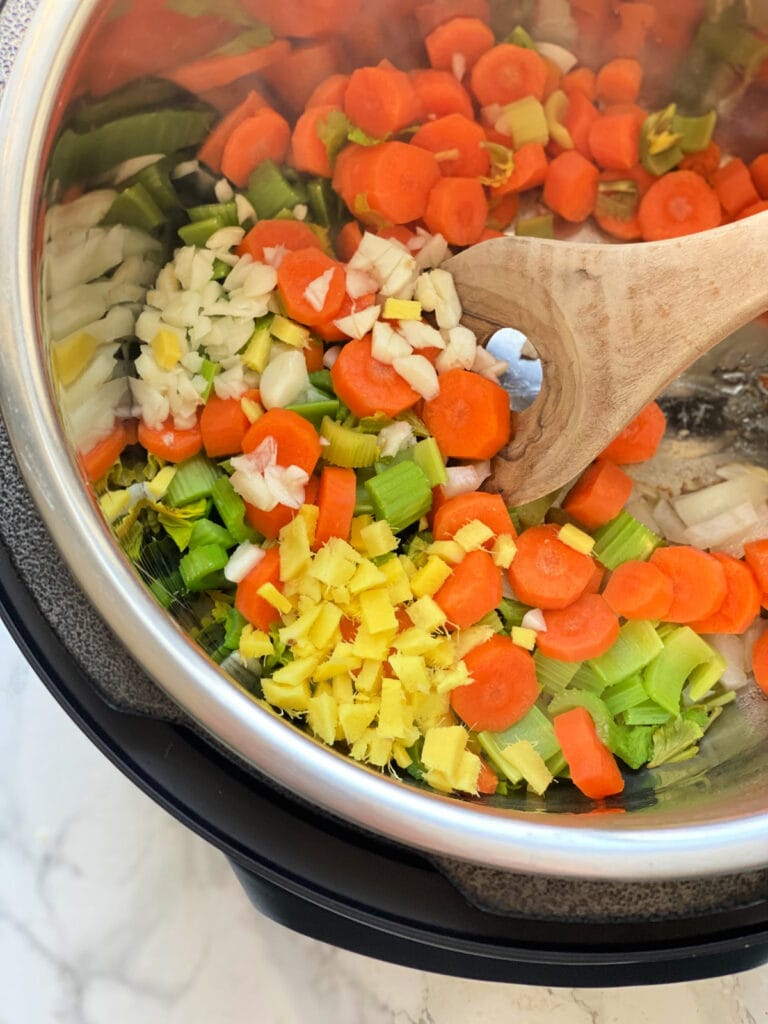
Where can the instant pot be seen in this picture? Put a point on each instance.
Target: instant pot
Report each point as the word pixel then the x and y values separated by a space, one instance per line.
pixel 674 888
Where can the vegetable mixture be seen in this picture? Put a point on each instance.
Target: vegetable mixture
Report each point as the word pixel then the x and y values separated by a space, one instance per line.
pixel 262 363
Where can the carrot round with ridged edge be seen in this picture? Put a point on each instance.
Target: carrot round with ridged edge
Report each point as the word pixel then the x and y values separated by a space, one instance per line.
pixel 297 440
pixel 248 601
pixel 504 686
pixel 578 120
pixel 464 508
pixel 367 386
pixel 273 234
pixel 102 456
pixel 437 12
pixel 440 93
pixel 464 38
pixel 308 151
pixel 336 503
pixel 507 73
pixel 380 100
pixel 760 661
pixel 592 766
pixel 265 135
pixel 529 171
pixel 614 141
pixel 619 80
pixel 269 524
pixel 640 439
pixel 457 209
pixel 223 425
pixel 584 629
pixel 639 590
pixel 734 187
pixel 741 604
pixel 348 241
pixel 330 92
pixel 581 80
pixel 169 443
pixel 545 573
pixel 679 203
pixel 756 556
pixel 470 418
pixel 210 153
pixel 299 272
pixel 698 582
pixel 705 162
pixel 570 188
pixel 598 496
pixel 459 136
pixel 471 591
pixel 386 184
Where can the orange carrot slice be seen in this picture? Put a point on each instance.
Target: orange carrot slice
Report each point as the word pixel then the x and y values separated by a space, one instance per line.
pixel 470 418
pixel 639 590
pixel 546 573
pixel 585 629
pixel 698 582
pixel 504 686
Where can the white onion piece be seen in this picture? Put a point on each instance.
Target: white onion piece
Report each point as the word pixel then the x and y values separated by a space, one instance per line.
pixel 733 650
pixel 223 191
pixel 358 323
pixel 225 238
pixel 245 210
pixel 463 479
pixel 670 525
pixel 420 374
pixel 82 213
pixel 330 356
pixel 712 532
pixel 387 345
pixel 360 283
pixel 733 470
pixel 564 59
pixel 316 291
pixel 734 546
pixel 395 437
pixel 534 619
pixel 242 561
pixel 283 380
pixel 705 504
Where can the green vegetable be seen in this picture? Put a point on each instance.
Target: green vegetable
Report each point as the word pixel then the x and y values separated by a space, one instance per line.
pixel 637 645
pixel 647 713
pixel 317 410
pixel 429 459
pixel 322 380
pixel 520 37
pixel 659 142
pixel 199 231
pixel 201 568
pixel 136 208
pixel 617 199
pixel 194 479
pixel 323 202
pixel 553 675
pixel 512 612
pixel 598 712
pixel 587 679
pixel 536 227
pixel 631 744
pixel 535 728
pixel 695 132
pixel 624 695
pixel 141 95
pixel 666 675
pixel 401 495
pixel 705 676
pixel 348 447
pixel 231 509
pixel 269 191
pixel 530 764
pixel 205 532
pixel 208 371
pixel 225 213
pixel 624 539
pixel 235 623
pixel 675 741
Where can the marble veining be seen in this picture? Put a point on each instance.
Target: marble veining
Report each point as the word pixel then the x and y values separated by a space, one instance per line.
pixel 112 913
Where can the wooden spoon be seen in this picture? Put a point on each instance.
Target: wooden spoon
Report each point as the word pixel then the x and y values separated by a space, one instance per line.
pixel 613 325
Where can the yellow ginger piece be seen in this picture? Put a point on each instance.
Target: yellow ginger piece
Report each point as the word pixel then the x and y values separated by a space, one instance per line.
pixel 430 577
pixel 370 646
pixel 343 689
pixel 504 550
pixel 256 354
pixel 400 755
pixel 341 659
pixel 416 641
pixel 72 355
pixel 467 639
pixel 468 773
pixel 304 587
pixel 376 611
pixel 323 717
pixel 254 643
pixel 377 538
pixel 355 534
pixel 366 577
pixel 431 710
pixel 356 718
pixel 411 670
pixel 392 724
pixel 167 349
pixel 325 629
pixel 310 514
pixel 270 593
pixel 160 482
pixel 368 679
pixel 380 751
pixel 335 563
pixel 300 670
pixel 401 309
pixel 528 762
pixel 290 697
pixel 443 748
pixel 525 638
pixel 114 503
pixel 304 648
pixel 398 584
pixel 448 550
pixel 408 565
pixel 473 535
pixel 576 539
pixel 300 627
pixel 449 679
pixel 295 552
pixel 251 408
pixel 442 654
pixel 426 614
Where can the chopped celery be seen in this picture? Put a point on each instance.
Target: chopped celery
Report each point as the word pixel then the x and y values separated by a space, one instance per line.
pixel 255 355
pixel 512 612
pixel 428 458
pixel 198 232
pixel 323 202
pixel 695 132
pixel 220 270
pixel 363 505
pixel 704 677
pixel 719 700
pixel 401 495
pixel 207 532
pixel 675 741
pixel 535 728
pixel 333 132
pixel 533 512
pixel 729 41
pixel 269 191
pixel 637 645
pixel 136 208
pixel 587 679
pixel 348 447
pixel 558 765
pixel 156 179
pixel 231 508
pixel 659 143
pixel 235 623
pixel 493 620
pixel 631 743
pixel 322 380
pixel 202 566
pixel 194 479
pixel 316 411
pixel 526 760
pixel 526 121
pixel 598 712
pixel 536 227
pixel 553 675
pixel 519 36
pixel 617 199
pixel 143 94
pixel 208 371
pixel 666 675
pixel 647 713
pixel 225 213
pixel 624 539
pixel 626 694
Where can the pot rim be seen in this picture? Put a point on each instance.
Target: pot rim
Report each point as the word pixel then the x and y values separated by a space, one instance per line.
pixel 619 849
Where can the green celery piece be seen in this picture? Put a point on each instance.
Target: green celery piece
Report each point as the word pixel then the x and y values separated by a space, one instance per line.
pixel 225 213
pixel 321 379
pixel 598 712
pixel 202 566
pixel 135 208
pixel 631 744
pixel 637 645
pixel 533 512
pixel 657 130
pixel 648 713
pixel 588 680
pixel 401 495
pixel 363 506
pixel 348 447
pixel 208 371
pixel 733 43
pixel 417 549
pixel 520 37
pixel 205 531
pixel 156 179
pixel 428 458
pixel 525 759
pixel 704 677
pixel 695 132
pixel 489 742
pixel 235 623
pixel 219 271
pixel 323 202
pixel 719 700
pixel 553 675
pixel 333 133
pixel 83 156
pixel 493 620
pixel 198 232
pixel 666 675
pixel 536 227
pixel 512 612
pixel 534 727
pixel 674 741
pixel 558 766
pixel 317 410
pixel 624 539
pixel 626 694
pixel 231 509
pixel 269 191
pixel 139 96
pixel 194 479
pixel 180 531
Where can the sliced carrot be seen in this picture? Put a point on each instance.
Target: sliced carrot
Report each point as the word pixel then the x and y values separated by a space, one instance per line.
pixel 99 459
pixel 330 92
pixel 640 439
pixel 680 203
pixel 614 141
pixel 581 80
pixel 437 12
pixel 223 425
pixel 625 228
pixel 619 81
pixel 570 189
pixel 440 93
pixel 592 766
pixel 552 81
pixel 760 661
pixel 487 781
pixel 269 524
pixel 297 440
pixel 759 171
pixel 750 211
pixel 507 73
pixel 585 629
pixel 741 605
pixel 530 170
pixel 470 418
pixel 457 209
pixel 639 590
pixel 367 386
pixel 596 581
pixel 458 144
pixel 336 502
pixel 212 150
pixel 348 240
pixel 329 331
pixel 248 601
pixel 756 555
pixel 464 508
pixel 471 591
pixel 705 162
pixel 313 355
pixel 308 151
pixel 698 582
pixel 502 210
pixel 734 187
pixel 290 235
pixel 213 72
pixel 504 686
pixel 263 136
pixel 386 184
pixel 457 45
pixel 296 76
pixel 380 101
pixel 599 495
pixel 578 119
pixel 304 270
pixel 300 19
pixel 545 573
pixel 166 442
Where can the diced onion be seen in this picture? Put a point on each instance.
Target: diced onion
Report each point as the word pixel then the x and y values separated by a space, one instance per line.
pixel 463 479
pixel 564 59
pixel 703 505
pixel 733 650
pixel 711 533
pixel 534 619
pixel 243 559
pixel 284 379
pixel 420 374
pixel 670 525
pixel 316 291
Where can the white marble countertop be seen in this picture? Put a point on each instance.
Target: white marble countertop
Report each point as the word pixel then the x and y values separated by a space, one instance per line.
pixel 112 913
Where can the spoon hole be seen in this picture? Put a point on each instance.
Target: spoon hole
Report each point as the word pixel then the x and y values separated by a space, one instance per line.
pixel 523 377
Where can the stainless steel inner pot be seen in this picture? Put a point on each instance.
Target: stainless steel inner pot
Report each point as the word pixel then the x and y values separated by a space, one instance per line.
pixel 706 816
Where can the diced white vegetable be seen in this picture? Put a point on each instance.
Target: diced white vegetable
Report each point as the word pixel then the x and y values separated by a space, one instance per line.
pixel 231 383
pixel 564 59
pixel 534 619
pixel 128 168
pixel 639 508
pixel 709 502
pixel 98 372
pixel 360 283
pixel 136 270
pixel 487 366
pixel 273 255
pixel 99 251
pixel 167 280
pixel 237 276
pixel 245 210
pixel 139 243
pixel 300 211
pixel 432 253
pixel 192 361
pixel 395 438
pixel 71 310
pixel 194 267
pixel 359 323
pixel 733 650
pixel 463 479
pixel 420 374
pixel 242 560
pixel 124 292
pixel 436 291
pixel 82 213
pixel 316 291
pixel 733 470
pixel 459 353
pixel 253 488
pixel 458 66
pixel 184 168
pixel 260 279
pixel 223 191
pixel 225 238
pixel 330 356
pixel 94 419
pixel 284 379
pixel 288 484
pixel 734 546
pixel 183 309
pixel 711 533
pixel 387 345
pixel 118 323
pixel 421 335
pixel 670 524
